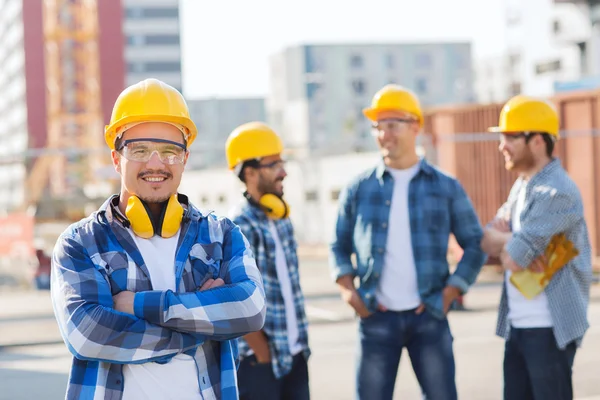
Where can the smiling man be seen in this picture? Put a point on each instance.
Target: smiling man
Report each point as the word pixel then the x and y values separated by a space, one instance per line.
pixel 274 360
pixel 543 333
pixel 148 292
pixel 396 218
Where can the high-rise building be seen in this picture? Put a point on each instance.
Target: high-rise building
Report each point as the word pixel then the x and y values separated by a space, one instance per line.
pixel 153 45
pixel 216 118
pixel 317 92
pixel 23 103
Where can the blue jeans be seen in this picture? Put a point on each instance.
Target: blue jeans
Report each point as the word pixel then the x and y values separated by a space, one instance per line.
pixel 535 368
pixel 428 340
pixel 256 381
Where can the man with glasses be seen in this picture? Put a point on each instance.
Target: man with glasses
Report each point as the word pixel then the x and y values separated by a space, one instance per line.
pixel 396 219
pixel 274 360
pixel 542 332
pixel 150 293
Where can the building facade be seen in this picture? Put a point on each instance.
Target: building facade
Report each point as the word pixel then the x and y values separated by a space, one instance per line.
pixel 152 41
pixel 317 92
pixel 216 118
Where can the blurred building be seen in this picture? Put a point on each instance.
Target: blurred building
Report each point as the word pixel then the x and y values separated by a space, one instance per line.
pixel 215 119
pixel 23 114
pixel 317 92
pixel 549 43
pixel 152 41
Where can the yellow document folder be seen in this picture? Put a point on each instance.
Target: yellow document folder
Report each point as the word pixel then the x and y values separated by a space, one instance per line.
pixel 558 253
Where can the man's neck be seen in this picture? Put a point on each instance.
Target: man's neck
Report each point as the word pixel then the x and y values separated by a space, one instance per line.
pixel 405 162
pixel 155 208
pixel 530 173
pixel 254 193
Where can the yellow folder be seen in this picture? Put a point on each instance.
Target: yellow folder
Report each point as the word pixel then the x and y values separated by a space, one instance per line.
pixel 559 252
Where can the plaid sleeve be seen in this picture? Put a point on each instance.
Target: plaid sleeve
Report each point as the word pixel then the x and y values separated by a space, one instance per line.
pixel 91 328
pixel 468 233
pixel 221 313
pixel 341 246
pixel 552 212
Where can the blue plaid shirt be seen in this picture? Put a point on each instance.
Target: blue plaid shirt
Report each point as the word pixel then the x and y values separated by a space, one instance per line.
pixel 97 258
pixel 255 225
pixel 553 205
pixel 438 206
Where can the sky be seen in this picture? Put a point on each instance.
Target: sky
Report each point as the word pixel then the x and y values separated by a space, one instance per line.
pixel 226 44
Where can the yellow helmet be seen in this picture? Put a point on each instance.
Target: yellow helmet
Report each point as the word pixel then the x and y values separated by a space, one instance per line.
pixel 394 98
pixel 528 114
pixel 251 141
pixel 150 100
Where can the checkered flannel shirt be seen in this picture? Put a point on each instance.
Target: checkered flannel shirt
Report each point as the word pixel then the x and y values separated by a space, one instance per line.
pixel 97 258
pixel 255 226
pixel 553 205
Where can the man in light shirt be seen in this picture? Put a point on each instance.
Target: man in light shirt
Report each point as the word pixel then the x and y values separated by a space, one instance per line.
pixel 273 362
pixel 396 219
pixel 150 293
pixel 542 334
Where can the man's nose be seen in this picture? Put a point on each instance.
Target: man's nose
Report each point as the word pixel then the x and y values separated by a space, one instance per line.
pixel 154 160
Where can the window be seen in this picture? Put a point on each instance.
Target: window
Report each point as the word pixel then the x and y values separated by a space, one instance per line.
pixel 311 195
pixel 389 61
pixel 423 60
pixel 162 39
pixel 154 12
pixel 359 86
pixel 165 66
pixel 556 26
pixel 222 199
pixel 335 194
pixel 356 61
pixel 421 85
pixel 550 66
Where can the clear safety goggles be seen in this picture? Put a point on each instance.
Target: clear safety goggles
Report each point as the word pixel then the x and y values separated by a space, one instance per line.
pixel 141 150
pixel 392 125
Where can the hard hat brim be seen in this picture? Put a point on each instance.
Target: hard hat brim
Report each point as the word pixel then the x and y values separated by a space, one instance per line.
pixel 110 134
pixel 495 129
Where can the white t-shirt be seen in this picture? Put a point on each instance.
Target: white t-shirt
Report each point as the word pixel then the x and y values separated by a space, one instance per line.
pixel 177 379
pixel 283 275
pixel 398 289
pixel 522 312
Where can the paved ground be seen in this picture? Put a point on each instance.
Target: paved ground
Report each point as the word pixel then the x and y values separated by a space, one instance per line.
pixel 34 363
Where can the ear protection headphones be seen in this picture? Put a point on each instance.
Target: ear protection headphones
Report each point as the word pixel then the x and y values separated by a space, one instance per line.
pixel 142 223
pixel 273 206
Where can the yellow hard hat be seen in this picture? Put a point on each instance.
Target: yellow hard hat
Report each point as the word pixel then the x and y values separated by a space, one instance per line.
pixel 528 114
pixel 251 141
pixel 394 98
pixel 150 100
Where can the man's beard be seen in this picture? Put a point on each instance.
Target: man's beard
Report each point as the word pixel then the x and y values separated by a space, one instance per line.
pixel 269 187
pixel 525 162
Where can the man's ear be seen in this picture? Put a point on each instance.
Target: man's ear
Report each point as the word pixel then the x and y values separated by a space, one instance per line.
pixel 116 160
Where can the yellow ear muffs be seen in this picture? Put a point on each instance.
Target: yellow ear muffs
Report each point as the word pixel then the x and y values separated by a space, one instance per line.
pixel 144 226
pixel 274 206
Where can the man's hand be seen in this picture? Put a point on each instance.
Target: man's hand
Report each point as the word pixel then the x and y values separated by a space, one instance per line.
pixel 501 225
pixel 508 263
pixel 212 283
pixel 539 264
pixel 449 294
pixel 350 295
pixel 123 302
pixel 494 240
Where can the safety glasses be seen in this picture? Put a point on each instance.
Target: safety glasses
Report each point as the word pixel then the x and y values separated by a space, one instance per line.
pixel 392 125
pixel 141 150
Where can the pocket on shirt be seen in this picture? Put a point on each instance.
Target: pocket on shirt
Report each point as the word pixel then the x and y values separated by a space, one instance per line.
pixel 115 264
pixel 205 260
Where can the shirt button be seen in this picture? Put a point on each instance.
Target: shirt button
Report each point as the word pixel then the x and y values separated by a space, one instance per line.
pixel 387 202
pixel 368 295
pixel 376 274
pixel 380 250
pixel 384 225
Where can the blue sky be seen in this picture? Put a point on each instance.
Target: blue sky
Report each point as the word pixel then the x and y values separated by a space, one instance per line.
pixel 226 43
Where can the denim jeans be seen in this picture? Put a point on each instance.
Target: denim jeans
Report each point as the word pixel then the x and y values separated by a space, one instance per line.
pixel 428 341
pixel 535 368
pixel 256 381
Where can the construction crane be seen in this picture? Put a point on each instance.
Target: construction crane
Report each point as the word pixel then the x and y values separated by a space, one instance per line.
pixel 74 116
